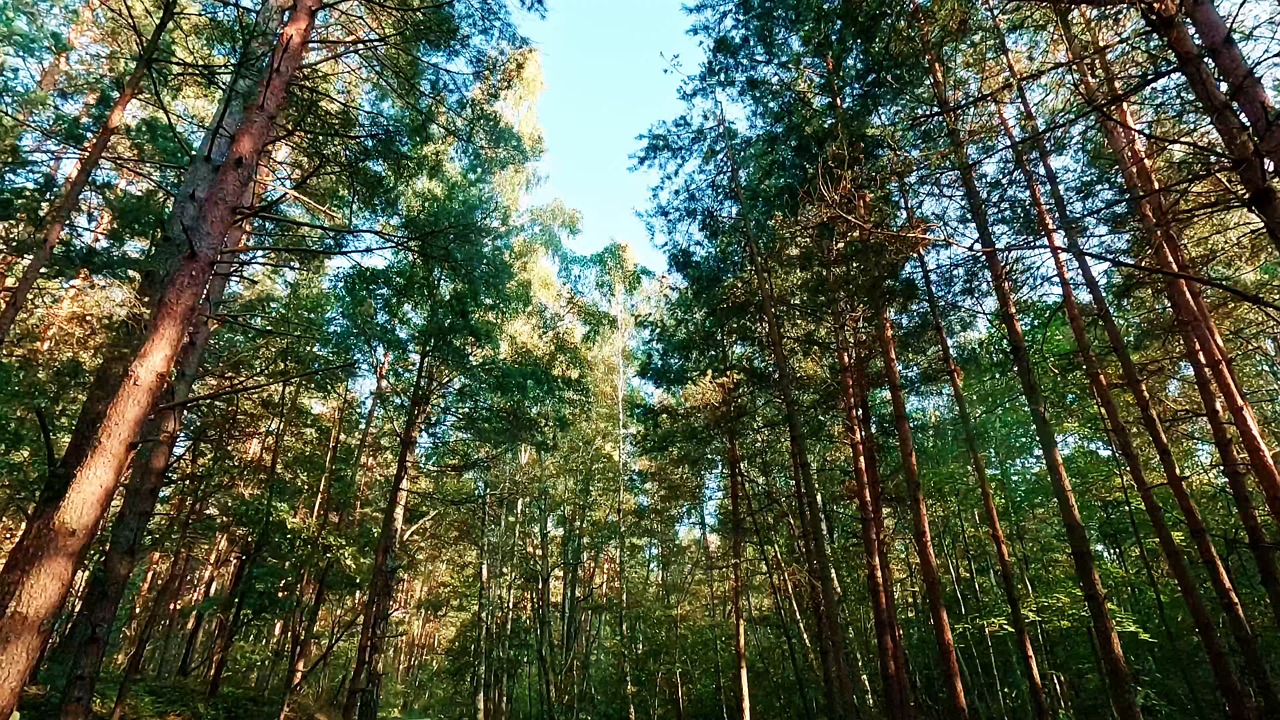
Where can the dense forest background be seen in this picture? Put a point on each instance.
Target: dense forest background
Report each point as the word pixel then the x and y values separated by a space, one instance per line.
pixel 956 400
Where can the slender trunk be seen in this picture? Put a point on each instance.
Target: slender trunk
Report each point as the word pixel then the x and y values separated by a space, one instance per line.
pixel 1235 470
pixel 203 589
pixel 624 645
pixel 543 638
pixel 875 487
pixel 304 631
pixel 740 628
pixel 229 626
pixel 1008 580
pixel 165 599
pixel 1236 477
pixel 802 687
pixel 1116 669
pixel 360 470
pixel 892 671
pixel 54 222
pixel 196 182
pixel 1237 700
pixel 366 687
pixel 1185 298
pixel 1247 159
pixel 481 669
pixel 41 570
pixel 711 615
pixel 840 694
pixel 920 521
pixel 1202 340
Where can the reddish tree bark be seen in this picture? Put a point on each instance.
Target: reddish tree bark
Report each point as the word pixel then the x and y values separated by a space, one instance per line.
pixel 892 670
pixel 1243 84
pixel 1247 159
pixel 42 568
pixel 1188 306
pixel 107 584
pixel 1239 705
pixel 1119 680
pixel 920 524
pixel 838 684
pixel 1008 580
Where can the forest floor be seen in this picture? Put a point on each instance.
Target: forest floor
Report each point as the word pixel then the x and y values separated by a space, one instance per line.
pixel 173 701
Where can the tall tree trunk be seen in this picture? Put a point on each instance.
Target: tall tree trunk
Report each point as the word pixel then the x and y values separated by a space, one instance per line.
pixel 41 570
pixel 875 487
pixel 196 182
pixel 920 522
pixel 229 624
pixel 1247 159
pixel 55 220
pixel 368 686
pixel 1264 556
pixel 1242 84
pixel 303 640
pixel 481 668
pixel 1237 700
pixel 313 590
pixel 892 670
pixel 736 544
pixel 543 638
pixel 1008 580
pixel 710 612
pixel 1235 470
pixel 1119 680
pixel 107 584
pixel 620 389
pixel 840 695
pixel 1200 337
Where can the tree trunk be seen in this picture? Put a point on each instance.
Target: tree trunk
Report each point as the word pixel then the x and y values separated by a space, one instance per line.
pixel 304 631
pixel 229 623
pixel 1116 669
pixel 920 522
pixel 1200 337
pixel 802 687
pixel 108 583
pixel 203 589
pixel 361 462
pixel 1237 700
pixel 1008 580
pixel 892 671
pixel 196 182
pixel 42 569
pixel 1247 159
pixel 166 597
pixel 840 694
pixel 740 628
pixel 1235 470
pixel 543 638
pixel 1243 84
pixel 367 686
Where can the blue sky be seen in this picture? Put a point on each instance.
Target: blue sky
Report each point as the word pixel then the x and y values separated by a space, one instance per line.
pixel 603 63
